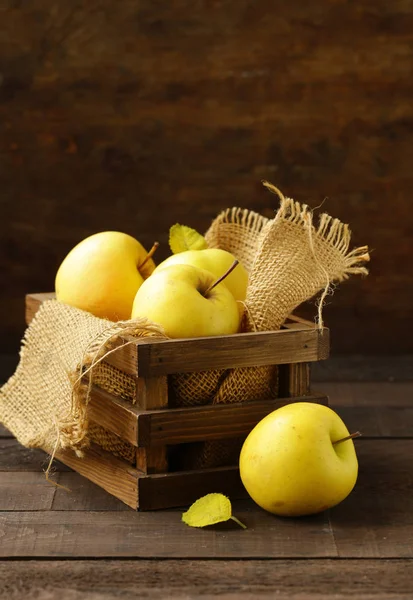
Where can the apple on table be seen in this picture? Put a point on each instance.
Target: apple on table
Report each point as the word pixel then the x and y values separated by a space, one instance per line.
pixel 299 460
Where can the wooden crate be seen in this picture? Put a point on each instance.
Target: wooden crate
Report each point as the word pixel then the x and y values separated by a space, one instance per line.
pixel 151 426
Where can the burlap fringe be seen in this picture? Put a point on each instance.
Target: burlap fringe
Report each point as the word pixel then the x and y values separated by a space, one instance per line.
pixel 330 231
pixel 221 233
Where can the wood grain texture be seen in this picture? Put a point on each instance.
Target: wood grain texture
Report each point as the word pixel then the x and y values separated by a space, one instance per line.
pixel 379 421
pixel 114 414
pixel 368 393
pixel 373 522
pixel 112 474
pixel 30 491
pixel 152 393
pixel 360 549
pixel 15 457
pixel 298 379
pixel 201 423
pixel 376 520
pixel 83 495
pixel 161 534
pixel 224 94
pixel 20 469
pixel 178 579
pixel 25 491
pixel 364 368
pixel 238 350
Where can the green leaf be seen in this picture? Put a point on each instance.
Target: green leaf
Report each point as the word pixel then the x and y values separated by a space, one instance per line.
pixel 182 238
pixel 209 510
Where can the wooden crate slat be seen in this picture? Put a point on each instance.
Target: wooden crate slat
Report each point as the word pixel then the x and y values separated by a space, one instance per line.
pixel 152 393
pixel 114 414
pixel 298 379
pixel 152 492
pixel 211 422
pixel 145 428
pixel 304 322
pixel 161 357
pixel 112 474
pixel 239 350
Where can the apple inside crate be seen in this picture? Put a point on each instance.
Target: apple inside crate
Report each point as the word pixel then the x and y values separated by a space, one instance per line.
pixel 150 427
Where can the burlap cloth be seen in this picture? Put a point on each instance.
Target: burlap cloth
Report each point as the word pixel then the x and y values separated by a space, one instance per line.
pixel 289 260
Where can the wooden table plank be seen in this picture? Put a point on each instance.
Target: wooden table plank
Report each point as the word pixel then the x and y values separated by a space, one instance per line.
pixel 83 495
pixel 186 579
pixel 162 535
pixel 371 393
pixel 15 457
pixel 378 421
pixel 25 491
pixel 376 520
pixel 372 421
pixel 21 490
pixel 4 433
pixel 370 367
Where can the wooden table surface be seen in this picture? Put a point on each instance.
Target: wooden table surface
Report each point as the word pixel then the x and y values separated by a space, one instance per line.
pixel 86 544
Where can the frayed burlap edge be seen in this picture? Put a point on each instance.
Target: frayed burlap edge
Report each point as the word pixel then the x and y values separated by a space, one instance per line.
pixel 330 231
pixel 73 431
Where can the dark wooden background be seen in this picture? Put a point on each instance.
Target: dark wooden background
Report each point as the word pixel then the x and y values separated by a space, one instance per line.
pixel 134 115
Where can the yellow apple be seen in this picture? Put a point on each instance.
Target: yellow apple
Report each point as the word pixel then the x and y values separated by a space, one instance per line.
pixel 289 464
pixel 216 261
pixel 103 273
pixel 177 298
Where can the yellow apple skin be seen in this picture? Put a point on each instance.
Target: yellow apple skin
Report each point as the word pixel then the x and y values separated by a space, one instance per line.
pixel 288 463
pixel 173 298
pixel 102 274
pixel 216 261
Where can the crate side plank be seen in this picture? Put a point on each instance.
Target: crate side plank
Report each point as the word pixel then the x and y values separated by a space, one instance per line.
pixel 112 474
pixel 145 428
pixel 33 301
pixel 240 350
pixel 211 422
pixel 159 357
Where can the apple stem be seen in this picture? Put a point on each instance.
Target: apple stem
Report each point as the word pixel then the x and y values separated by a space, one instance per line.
pixel 349 437
pixel 150 254
pixel 232 267
pixel 238 522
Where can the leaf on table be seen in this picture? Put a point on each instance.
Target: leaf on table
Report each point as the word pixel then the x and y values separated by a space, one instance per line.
pixel 182 238
pixel 209 510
